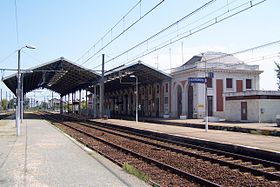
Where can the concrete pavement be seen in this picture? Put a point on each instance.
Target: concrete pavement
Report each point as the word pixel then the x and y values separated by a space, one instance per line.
pixel 44 156
pixel 269 143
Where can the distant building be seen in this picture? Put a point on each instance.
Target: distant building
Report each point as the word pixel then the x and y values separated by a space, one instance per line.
pixel 54 104
pixel 224 72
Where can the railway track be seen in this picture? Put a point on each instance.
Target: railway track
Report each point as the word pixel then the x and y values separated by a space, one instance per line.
pixel 256 166
pixel 211 168
pixel 5 115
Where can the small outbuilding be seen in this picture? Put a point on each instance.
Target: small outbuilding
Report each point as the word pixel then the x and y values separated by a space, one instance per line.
pixel 252 106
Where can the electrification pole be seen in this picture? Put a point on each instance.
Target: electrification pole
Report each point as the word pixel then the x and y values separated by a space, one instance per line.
pixel 19 91
pixel 101 98
pixel 18 97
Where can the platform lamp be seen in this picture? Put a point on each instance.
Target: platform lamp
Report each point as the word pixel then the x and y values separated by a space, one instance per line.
pixel 19 91
pixel 136 84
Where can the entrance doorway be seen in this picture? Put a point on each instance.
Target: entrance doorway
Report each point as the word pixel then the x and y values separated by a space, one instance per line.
pixel 179 101
pixel 243 110
pixel 190 102
pixel 210 105
pixel 126 104
pixel 157 107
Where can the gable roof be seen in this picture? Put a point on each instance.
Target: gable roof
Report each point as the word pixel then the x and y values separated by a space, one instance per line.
pixel 60 75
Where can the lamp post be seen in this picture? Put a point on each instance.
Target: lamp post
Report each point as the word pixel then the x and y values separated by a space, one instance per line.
pixel 19 91
pixel 206 99
pixel 136 83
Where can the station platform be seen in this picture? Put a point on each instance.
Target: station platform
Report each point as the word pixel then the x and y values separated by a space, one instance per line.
pixel 249 140
pixel 44 156
pixel 269 129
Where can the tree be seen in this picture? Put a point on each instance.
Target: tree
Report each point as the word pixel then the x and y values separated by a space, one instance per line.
pixel 4 104
pixel 278 74
pixel 83 105
pixel 12 103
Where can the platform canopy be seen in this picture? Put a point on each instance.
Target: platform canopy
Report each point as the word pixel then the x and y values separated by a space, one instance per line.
pixel 60 75
pixel 121 78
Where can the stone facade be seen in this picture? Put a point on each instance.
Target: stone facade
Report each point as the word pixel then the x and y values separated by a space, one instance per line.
pixel 230 75
pixel 180 97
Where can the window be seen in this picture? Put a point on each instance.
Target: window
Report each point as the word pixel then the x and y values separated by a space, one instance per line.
pixel 150 90
pixel 131 98
pixel 229 82
pixel 165 100
pixel 166 87
pixel 157 88
pixel 248 83
pixel 209 82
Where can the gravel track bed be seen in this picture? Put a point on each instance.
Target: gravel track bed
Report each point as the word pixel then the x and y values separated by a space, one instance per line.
pixel 158 175
pixel 200 152
pixel 204 153
pixel 213 172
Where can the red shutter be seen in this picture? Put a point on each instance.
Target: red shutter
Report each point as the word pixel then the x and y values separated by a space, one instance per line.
pixel 219 95
pixel 239 86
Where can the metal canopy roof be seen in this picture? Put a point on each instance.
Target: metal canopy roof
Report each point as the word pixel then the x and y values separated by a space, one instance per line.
pixel 61 76
pixel 120 78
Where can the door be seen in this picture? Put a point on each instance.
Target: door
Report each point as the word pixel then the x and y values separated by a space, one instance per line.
pixel 243 110
pixel 210 105
pixel 190 102
pixel 126 104
pixel 179 101
pixel 157 107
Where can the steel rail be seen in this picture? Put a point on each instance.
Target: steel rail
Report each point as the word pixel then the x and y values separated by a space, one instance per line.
pixel 230 164
pixel 268 175
pixel 150 160
pixel 206 149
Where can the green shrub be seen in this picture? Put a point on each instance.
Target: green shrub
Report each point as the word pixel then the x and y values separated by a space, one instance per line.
pixel 134 171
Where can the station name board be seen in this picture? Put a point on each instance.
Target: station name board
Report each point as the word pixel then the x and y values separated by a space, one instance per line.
pixel 197 80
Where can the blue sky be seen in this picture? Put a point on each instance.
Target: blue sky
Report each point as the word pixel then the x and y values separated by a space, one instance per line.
pixel 69 28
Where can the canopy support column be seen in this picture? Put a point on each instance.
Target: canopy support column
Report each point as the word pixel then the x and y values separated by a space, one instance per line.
pixel 94 100
pixel 61 104
pixel 86 104
pixel 73 103
pixel 101 97
pixel 80 98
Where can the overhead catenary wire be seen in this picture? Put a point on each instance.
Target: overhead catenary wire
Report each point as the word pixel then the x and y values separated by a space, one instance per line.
pixel 262 58
pixel 121 33
pixel 209 23
pixel 249 60
pixel 197 20
pixel 255 59
pixel 7 57
pixel 31 56
pixel 16 22
pixel 163 30
pixel 110 30
pixel 246 61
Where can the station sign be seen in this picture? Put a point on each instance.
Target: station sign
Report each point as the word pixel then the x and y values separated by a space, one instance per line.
pixel 197 80
pixel 210 74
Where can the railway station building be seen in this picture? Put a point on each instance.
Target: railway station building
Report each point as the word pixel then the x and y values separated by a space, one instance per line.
pixel 176 95
pixel 153 92
pixel 225 73
pixel 181 94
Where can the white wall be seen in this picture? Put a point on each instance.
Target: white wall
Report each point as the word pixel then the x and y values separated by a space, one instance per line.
pixel 233 110
pixel 199 90
pixel 270 108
